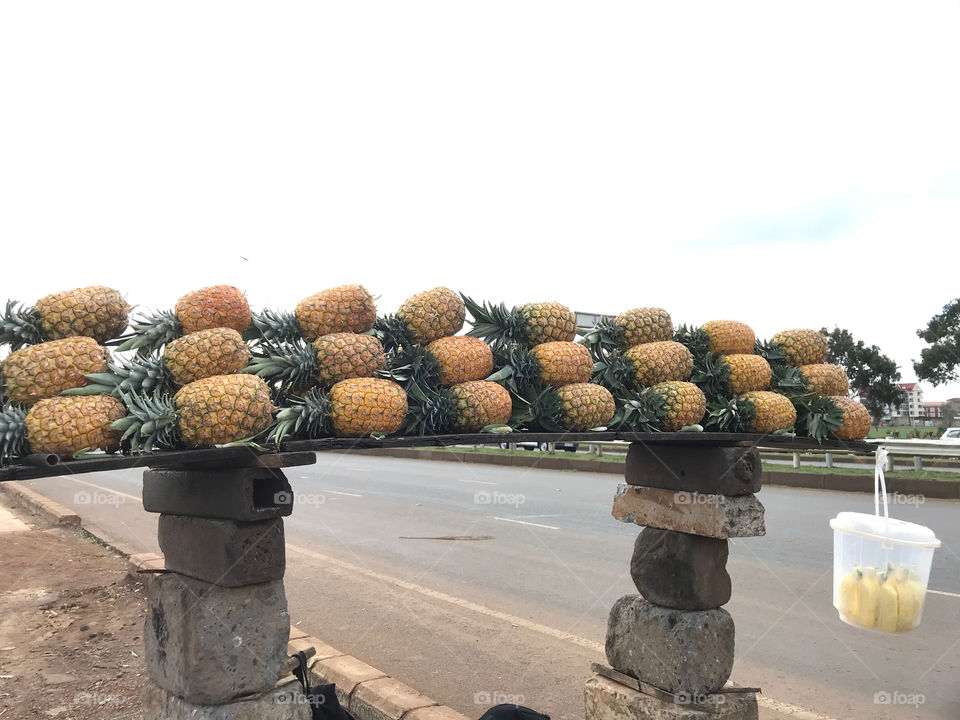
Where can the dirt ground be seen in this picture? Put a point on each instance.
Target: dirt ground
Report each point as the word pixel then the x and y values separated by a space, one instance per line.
pixel 71 627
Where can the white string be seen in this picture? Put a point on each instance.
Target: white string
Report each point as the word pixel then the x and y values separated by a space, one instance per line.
pixel 880 483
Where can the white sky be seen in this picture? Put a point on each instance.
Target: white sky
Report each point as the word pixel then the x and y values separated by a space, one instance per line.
pixel 787 166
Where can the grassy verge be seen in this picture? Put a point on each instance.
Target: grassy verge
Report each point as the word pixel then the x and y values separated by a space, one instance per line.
pixel 866 472
pixel 527 453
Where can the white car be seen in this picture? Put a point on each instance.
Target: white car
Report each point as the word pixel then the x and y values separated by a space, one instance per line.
pixel 951 434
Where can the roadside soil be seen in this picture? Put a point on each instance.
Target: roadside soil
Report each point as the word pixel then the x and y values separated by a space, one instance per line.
pixel 71 627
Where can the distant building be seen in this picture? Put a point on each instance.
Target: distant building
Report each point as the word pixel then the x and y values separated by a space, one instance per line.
pixel 931 410
pixel 912 406
pixel 588 320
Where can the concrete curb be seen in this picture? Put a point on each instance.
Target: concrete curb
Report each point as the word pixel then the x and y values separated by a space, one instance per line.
pixel 37 504
pixel 934 489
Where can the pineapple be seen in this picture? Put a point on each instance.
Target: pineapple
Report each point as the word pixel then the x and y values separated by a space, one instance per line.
pixel 352 408
pixel 343 309
pixel 328 360
pixel 205 353
pixel 98 312
pixel 60 425
pixel 772 411
pixel 658 362
pixel 747 373
pixel 572 408
pixel 212 411
pixel 219 306
pixel 729 337
pixel 825 380
pixel 629 328
pixel 528 325
pixel 432 314
pixel 562 363
pixel 683 404
pixel 467 407
pixel 856 419
pixel 801 347
pixel 42 371
pixel 461 359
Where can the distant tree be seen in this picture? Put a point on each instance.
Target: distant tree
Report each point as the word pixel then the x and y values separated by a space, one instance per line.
pixel 949 412
pixel 938 363
pixel 873 375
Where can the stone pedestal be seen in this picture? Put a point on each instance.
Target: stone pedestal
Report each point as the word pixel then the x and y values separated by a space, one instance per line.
pixel 673 645
pixel 217 626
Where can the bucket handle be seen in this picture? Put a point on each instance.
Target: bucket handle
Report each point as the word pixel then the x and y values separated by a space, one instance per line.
pixel 880 486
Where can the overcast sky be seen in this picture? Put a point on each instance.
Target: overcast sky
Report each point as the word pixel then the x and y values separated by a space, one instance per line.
pixel 787 166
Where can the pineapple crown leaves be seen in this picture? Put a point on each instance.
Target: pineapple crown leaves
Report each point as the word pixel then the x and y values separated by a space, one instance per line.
pixel 20 326
pixel 712 376
pixel 541 410
pixel 733 416
pixel 430 411
pixel 287 366
pixel 150 332
pixel 789 381
pixel 615 372
pixel 413 365
pixel 141 374
pixel 817 416
pixel 517 369
pixel 496 324
pixel 773 354
pixel 603 337
pixel 273 326
pixel 304 417
pixel 639 412
pixel 694 339
pixel 151 422
pixel 13 433
pixel 392 333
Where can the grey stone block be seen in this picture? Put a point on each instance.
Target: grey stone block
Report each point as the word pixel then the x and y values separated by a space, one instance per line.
pixel 716 516
pixel 682 571
pixel 608 700
pixel 209 644
pixel 676 650
pixel 245 494
pixel 716 471
pixel 284 703
pixel 223 552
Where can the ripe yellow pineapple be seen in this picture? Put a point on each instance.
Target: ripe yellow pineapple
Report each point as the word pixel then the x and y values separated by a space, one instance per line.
pixel 585 406
pixel 347 308
pixel 218 306
pixel 527 325
pixel 683 404
pixel 352 408
pixel 41 371
pixel 328 360
pixel 205 353
pixel 461 359
pixel 632 327
pixel 98 312
pixel 856 419
pixel 747 372
pixel 824 379
pixel 773 411
pixel 729 337
pixel 432 314
pixel 801 347
pixel 658 362
pixel 212 411
pixel 60 425
pixel 479 403
pixel 562 363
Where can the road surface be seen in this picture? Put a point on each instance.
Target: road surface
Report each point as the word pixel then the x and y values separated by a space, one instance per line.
pixel 519 612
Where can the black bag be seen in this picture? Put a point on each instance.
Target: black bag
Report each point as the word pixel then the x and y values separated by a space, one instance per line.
pixel 324 704
pixel 512 712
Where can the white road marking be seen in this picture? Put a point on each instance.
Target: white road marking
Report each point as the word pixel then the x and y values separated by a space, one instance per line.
pixel 105 489
pixel 524 522
pixel 478 482
pixel 944 592
pixel 340 492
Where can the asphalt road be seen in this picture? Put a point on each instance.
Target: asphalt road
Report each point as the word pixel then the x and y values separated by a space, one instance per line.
pixel 519 615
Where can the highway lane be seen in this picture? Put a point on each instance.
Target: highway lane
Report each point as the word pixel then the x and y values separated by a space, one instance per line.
pixel 523 613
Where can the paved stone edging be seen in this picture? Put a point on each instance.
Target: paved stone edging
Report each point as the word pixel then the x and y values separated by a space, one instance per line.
pixel 37 504
pixel 934 489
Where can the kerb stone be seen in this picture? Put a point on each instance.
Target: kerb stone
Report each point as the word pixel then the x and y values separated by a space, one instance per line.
pixel 246 494
pixel 284 703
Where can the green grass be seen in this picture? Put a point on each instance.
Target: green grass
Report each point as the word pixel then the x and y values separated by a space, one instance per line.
pixel 527 453
pixel 866 472
pixel 905 432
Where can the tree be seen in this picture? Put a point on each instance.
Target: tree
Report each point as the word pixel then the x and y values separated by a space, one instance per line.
pixel 873 375
pixel 949 412
pixel 938 363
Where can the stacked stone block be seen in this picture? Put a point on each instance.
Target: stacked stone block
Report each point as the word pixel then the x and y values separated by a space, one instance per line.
pixel 674 637
pixel 217 626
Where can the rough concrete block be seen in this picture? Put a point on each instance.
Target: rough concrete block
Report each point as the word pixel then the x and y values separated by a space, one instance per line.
pixel 284 703
pixel 716 516
pixel 385 699
pixel 714 471
pixel 609 700
pixel 435 712
pixel 675 650
pixel 682 571
pixel 347 672
pixel 209 644
pixel 223 552
pixel 245 494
